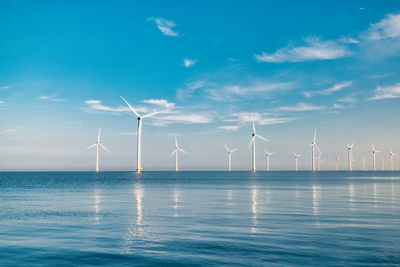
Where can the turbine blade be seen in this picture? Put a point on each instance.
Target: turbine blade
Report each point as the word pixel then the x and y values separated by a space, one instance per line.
pixel 91 146
pixel 259 136
pixel 176 142
pixel 180 149
pixel 174 151
pixel 105 148
pixel 154 113
pixel 131 108
pixel 234 150
pixel 227 149
pixel 98 137
pixel 252 140
pixel 254 127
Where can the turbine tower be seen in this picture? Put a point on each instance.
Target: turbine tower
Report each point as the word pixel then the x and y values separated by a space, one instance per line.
pixel 313 145
pixel 296 158
pixel 337 163
pixel 176 150
pixel 268 154
pixel 253 142
pixel 374 157
pixel 391 158
pixel 139 133
pixel 97 144
pixel 350 155
pixel 229 156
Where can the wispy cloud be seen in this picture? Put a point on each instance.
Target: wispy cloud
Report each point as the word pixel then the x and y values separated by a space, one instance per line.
pixel 387 92
pixel 189 118
pixel 189 62
pixel 388 27
pixel 314 49
pixel 160 102
pixel 302 107
pixel 1 102
pixel 348 99
pixel 229 127
pixel 165 26
pixel 336 87
pixel 242 119
pixel 98 106
pixel 4 87
pixel 129 133
pixel 52 97
pixel 348 40
pixel 9 131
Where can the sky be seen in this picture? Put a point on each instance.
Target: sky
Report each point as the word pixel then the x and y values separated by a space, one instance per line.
pixel 213 67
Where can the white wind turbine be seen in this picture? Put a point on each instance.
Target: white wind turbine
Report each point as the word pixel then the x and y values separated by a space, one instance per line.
pixel 139 133
pixel 97 144
pixel 374 157
pixel 337 163
pixel 296 158
pixel 229 156
pixel 391 158
pixel 176 150
pixel 268 154
pixel 253 142
pixel 350 155
pixel 313 146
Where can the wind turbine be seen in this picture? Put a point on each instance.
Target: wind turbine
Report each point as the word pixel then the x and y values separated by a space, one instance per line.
pixel 253 142
pixel 176 150
pixel 97 144
pixel 337 163
pixel 296 157
pixel 373 157
pixel 350 155
pixel 229 156
pixel 139 133
pixel 363 163
pixel 383 164
pixel 268 154
pixel 313 145
pixel 391 158
pixel 319 161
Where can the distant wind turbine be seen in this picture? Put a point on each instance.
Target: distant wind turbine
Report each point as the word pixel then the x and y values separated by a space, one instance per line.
pixel 296 158
pixel 97 144
pixel 253 142
pixel 391 158
pixel 268 154
pixel 350 155
pixel 374 157
pixel 176 150
pixel 337 163
pixel 230 156
pixel 313 145
pixel 139 133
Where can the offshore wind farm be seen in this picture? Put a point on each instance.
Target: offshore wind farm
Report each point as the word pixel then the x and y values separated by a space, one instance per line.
pixel 229 133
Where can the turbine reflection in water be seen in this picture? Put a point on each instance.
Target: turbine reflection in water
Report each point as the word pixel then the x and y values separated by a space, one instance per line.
pixel 96 205
pixel 176 202
pixel 254 193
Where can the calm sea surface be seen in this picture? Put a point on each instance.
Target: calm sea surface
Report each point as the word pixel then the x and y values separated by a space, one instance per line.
pixel 200 218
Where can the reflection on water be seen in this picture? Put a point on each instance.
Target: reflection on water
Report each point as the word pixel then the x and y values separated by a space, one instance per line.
pixel 316 193
pixel 176 202
pixel 138 192
pixel 96 205
pixel 254 192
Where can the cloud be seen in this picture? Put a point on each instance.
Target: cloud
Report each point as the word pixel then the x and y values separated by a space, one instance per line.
pixel 165 26
pixel 189 90
pixel 388 27
pixel 348 99
pixel 336 87
pixel 52 97
pixel 337 106
pixel 189 118
pixel 1 102
pixel 314 49
pixel 302 107
pixel 243 118
pixel 4 87
pixel 9 131
pixel 348 40
pixel 229 127
pixel 387 92
pixel 189 62
pixel 96 105
pixel 160 102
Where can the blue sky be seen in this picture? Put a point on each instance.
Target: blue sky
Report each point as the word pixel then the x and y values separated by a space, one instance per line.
pixel 291 66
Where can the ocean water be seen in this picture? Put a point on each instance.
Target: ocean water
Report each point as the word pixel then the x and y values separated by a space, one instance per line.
pixel 200 219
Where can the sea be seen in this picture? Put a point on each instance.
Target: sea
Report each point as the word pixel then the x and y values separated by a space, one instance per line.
pixel 200 218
